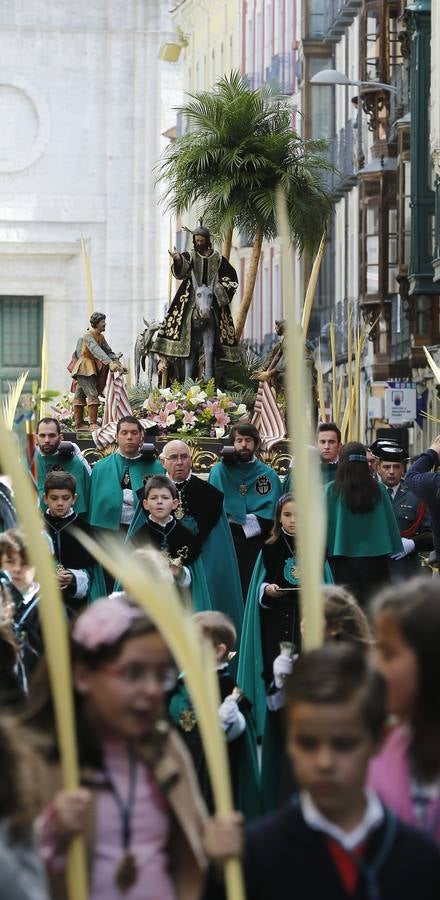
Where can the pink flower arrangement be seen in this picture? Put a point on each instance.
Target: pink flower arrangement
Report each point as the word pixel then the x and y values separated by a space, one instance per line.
pixel 202 410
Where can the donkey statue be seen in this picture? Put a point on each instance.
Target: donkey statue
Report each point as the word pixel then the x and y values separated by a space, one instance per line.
pixel 203 327
pixel 143 353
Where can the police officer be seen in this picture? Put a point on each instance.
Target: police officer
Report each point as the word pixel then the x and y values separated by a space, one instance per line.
pixel 412 518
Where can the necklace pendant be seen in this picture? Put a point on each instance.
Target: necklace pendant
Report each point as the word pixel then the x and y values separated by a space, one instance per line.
pixel 243 489
pixel 127 872
pixel 179 513
pixel 187 720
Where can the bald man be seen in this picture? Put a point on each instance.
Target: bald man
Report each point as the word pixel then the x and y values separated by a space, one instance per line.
pixel 201 510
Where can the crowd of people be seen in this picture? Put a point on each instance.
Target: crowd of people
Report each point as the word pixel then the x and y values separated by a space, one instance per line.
pixel 334 754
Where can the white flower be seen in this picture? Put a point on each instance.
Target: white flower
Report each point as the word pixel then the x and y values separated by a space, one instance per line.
pixel 241 409
pixel 186 428
pixel 220 432
pixel 193 391
pixel 171 419
pixel 166 392
pixel 220 394
pixel 197 398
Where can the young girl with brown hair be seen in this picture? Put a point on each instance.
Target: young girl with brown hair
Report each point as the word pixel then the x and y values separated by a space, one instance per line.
pixel 138 806
pixel 406 772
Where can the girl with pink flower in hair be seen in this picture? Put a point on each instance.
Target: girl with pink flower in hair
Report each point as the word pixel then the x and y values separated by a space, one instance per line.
pixel 145 826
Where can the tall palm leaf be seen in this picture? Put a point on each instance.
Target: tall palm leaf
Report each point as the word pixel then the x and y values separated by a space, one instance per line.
pixel 239 147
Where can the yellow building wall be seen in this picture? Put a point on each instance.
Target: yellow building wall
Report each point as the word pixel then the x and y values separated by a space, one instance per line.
pixel 214 38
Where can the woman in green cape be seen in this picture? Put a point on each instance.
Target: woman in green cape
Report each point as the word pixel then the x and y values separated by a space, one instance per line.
pixel 362 531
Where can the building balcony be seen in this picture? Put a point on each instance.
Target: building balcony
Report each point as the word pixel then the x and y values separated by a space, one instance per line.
pixel 339 14
pixel 344 158
pixel 280 75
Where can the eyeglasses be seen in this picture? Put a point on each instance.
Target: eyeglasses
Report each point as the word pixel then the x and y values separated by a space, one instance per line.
pixel 175 456
pixel 133 673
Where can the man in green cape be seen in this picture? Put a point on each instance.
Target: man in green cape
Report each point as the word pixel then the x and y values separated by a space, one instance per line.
pixel 49 455
pixel 251 490
pixel 116 478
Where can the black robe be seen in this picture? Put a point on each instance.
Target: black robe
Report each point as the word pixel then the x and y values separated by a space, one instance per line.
pixel 174 335
pixel 202 502
pixel 68 550
pixel 280 616
pixel 184 719
pixel 172 538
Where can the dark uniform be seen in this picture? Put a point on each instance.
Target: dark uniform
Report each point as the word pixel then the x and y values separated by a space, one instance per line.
pixel 410 512
pixel 414 522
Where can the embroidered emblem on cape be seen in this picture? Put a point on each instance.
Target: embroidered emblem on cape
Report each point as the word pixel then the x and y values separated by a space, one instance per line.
pixel 263 485
pixel 291 571
pixel 243 489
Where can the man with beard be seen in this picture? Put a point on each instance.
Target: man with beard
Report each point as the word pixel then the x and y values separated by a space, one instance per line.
pixel 200 509
pixel 251 491
pixel 412 517
pixel 202 266
pixel 53 453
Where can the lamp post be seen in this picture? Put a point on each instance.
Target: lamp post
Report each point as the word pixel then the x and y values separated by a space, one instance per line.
pixel 330 77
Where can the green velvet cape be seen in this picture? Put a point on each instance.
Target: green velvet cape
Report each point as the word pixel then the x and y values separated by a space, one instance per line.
pixel 375 533
pixel 250 658
pixel 75 467
pixel 221 569
pixel 106 492
pixel 248 488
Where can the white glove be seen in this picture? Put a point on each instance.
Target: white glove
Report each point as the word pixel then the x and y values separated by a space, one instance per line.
pixel 232 720
pixel 408 546
pixel 282 666
pixel 228 711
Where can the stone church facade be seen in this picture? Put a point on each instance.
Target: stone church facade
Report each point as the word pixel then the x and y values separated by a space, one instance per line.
pixel 84 104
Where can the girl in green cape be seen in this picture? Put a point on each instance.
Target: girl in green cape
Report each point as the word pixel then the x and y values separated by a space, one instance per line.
pixel 272 609
pixel 362 531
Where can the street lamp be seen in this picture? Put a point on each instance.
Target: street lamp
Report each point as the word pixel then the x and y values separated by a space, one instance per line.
pixel 332 76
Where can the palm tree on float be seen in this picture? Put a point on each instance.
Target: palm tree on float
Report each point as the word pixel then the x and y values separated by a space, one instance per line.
pixel 239 148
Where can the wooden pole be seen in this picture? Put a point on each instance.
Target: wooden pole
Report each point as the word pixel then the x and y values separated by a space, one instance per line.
pixel 320 386
pixel 334 385
pixel 311 287
pixel 44 375
pixel 308 488
pixel 88 275
pixel 350 373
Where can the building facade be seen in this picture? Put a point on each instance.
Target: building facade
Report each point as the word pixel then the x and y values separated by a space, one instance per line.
pixel 84 102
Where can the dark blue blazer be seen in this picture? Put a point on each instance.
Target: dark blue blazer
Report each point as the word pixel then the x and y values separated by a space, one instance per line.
pixel 287 859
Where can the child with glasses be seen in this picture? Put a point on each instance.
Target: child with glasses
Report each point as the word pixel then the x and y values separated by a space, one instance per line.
pixel 138 807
